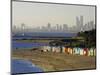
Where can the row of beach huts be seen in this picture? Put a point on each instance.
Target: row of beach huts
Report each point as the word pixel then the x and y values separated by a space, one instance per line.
pixel 70 50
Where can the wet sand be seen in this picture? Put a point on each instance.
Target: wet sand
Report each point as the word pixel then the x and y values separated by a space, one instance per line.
pixel 49 61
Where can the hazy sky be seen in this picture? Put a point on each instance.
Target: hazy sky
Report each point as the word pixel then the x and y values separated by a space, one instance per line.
pixel 39 14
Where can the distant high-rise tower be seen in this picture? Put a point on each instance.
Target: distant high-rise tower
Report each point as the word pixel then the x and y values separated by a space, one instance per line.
pixel 65 27
pixel 60 27
pixel 92 25
pixel 23 28
pixel 81 20
pixel 49 27
pixel 57 27
pixel 79 23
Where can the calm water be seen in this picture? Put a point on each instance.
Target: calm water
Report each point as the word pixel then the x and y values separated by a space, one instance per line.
pixel 46 34
pixel 23 66
pixel 16 44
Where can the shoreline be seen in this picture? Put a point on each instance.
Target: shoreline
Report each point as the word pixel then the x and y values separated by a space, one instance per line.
pixel 32 61
pixel 29 61
pixel 49 61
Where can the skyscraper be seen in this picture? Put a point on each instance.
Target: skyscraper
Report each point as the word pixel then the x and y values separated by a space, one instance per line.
pixel 79 23
pixel 65 27
pixel 92 25
pixel 48 27
pixel 23 28
pixel 81 20
pixel 57 27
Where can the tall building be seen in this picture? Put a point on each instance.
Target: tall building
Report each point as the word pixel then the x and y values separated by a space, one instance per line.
pixel 81 20
pixel 60 28
pixel 92 25
pixel 79 23
pixel 65 27
pixel 23 29
pixel 43 28
pixel 57 27
pixel 48 27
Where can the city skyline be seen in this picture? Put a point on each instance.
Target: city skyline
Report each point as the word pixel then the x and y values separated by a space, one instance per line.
pixel 39 14
pixel 80 26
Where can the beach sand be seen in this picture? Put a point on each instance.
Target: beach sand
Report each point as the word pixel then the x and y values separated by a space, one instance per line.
pixel 49 61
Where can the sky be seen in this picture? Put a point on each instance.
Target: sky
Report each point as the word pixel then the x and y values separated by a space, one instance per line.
pixel 40 14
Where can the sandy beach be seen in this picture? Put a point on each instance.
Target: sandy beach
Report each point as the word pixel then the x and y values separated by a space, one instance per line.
pixel 50 61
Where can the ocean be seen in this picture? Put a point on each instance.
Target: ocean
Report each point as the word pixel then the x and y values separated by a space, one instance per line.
pixel 23 66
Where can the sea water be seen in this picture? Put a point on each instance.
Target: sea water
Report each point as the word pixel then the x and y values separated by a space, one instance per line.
pixel 23 66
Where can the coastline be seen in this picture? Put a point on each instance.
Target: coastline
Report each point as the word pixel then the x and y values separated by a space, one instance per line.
pixel 48 61
pixel 48 68
pixel 27 60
